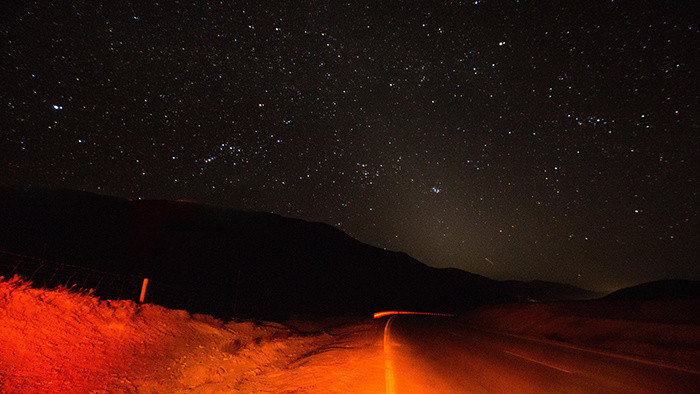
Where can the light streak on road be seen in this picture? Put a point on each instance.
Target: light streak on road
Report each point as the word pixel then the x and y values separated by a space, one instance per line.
pixel 388 367
pixel 425 355
pixel 378 315
pixel 388 356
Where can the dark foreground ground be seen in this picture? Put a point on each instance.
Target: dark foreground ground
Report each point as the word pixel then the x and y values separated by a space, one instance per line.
pixel 64 341
pixel 429 354
pixel 667 330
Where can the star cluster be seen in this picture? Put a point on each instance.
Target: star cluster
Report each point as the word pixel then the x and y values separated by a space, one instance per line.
pixel 514 139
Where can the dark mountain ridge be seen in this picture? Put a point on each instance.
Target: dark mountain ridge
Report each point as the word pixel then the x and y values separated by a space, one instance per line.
pixel 237 263
pixel 538 290
pixel 667 289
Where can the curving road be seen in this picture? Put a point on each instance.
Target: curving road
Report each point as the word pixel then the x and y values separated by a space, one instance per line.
pixel 428 354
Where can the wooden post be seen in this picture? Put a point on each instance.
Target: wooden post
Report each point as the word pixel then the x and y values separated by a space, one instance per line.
pixel 143 290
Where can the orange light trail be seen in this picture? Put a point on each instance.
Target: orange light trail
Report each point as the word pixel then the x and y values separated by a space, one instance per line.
pixel 378 315
pixel 388 367
pixel 390 380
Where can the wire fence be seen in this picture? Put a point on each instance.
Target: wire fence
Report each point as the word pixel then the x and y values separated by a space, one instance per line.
pixel 44 273
pixel 50 274
pixel 108 285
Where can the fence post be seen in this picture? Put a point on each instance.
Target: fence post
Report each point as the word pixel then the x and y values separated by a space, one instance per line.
pixel 143 290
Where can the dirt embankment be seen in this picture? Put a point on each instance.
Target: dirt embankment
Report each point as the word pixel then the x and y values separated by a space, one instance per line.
pixel 65 341
pixel 664 330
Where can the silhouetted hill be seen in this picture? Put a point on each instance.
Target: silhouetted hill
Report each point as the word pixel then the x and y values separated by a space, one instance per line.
pixel 227 262
pixel 659 290
pixel 538 290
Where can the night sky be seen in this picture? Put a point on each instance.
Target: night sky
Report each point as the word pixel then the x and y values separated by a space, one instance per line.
pixel 513 139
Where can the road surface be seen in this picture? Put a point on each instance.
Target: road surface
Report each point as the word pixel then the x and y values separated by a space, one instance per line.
pixel 428 354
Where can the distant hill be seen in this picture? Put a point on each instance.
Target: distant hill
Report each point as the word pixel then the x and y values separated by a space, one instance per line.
pixel 236 263
pixel 538 290
pixel 659 290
